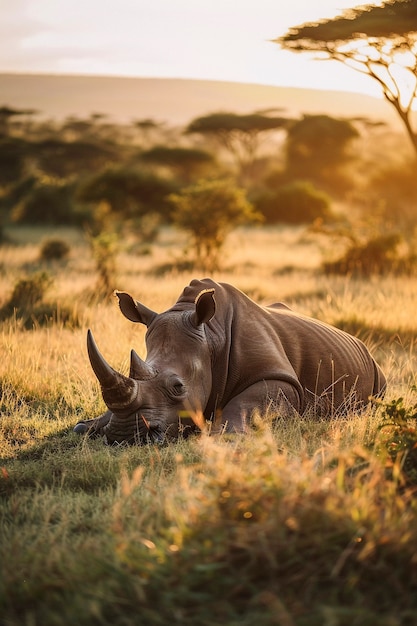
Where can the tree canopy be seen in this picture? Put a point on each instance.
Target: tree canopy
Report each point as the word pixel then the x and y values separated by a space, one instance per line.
pixel 380 41
pixel 237 133
pixel 186 162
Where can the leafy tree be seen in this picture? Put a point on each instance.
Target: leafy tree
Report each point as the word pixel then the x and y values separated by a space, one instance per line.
pixel 13 153
pixel 129 193
pixel 148 129
pixel 298 202
pixel 240 135
pixel 186 162
pixel 209 211
pixel 393 189
pixel 45 204
pixel 380 41
pixel 7 114
pixel 66 158
pixel 317 146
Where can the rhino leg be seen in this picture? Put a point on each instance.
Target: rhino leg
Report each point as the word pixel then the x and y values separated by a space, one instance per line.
pixel 94 427
pixel 282 397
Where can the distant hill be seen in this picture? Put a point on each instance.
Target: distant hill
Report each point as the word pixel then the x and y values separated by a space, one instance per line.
pixel 175 101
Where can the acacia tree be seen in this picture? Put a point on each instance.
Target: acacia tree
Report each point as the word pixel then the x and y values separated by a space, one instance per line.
pixel 380 41
pixel 187 163
pixel 240 135
pixel 318 143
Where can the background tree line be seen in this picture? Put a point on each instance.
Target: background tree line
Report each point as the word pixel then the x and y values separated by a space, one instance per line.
pixel 314 169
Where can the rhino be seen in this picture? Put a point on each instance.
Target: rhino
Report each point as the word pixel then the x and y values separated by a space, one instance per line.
pixel 219 355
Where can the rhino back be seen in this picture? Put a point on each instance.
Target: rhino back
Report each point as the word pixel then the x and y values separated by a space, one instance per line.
pixel 251 343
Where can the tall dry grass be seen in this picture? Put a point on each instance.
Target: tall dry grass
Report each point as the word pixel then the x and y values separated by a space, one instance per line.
pixel 301 522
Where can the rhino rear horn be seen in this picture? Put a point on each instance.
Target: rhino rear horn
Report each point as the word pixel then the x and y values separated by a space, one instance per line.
pixel 119 391
pixel 139 369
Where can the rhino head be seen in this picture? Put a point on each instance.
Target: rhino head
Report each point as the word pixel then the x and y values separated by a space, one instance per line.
pixel 146 405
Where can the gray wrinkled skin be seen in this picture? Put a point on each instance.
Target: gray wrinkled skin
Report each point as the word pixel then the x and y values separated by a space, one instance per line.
pixel 219 355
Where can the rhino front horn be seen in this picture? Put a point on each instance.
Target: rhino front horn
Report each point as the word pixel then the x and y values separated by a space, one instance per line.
pixel 119 392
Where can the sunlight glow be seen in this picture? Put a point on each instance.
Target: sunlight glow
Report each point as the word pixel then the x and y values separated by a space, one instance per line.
pixel 223 40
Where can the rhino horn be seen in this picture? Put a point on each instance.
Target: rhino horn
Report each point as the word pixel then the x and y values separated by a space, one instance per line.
pixel 119 392
pixel 139 369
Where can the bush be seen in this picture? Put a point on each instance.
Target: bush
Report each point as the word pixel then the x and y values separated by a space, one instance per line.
pixel 128 192
pixel 208 211
pixel 393 189
pixel 105 247
pixel 399 436
pixel 12 159
pixel 54 249
pixel 28 292
pixel 298 202
pixel 377 255
pixel 46 204
pixel 27 303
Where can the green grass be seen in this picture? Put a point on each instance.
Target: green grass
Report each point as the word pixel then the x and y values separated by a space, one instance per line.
pixel 300 523
pixel 237 531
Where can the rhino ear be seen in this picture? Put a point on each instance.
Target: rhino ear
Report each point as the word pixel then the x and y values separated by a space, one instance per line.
pixel 205 307
pixel 133 310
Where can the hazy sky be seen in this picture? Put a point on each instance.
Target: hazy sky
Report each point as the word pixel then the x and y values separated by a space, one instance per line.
pixel 207 39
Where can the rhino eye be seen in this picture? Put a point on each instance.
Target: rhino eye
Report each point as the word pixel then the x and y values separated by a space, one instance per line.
pixel 178 389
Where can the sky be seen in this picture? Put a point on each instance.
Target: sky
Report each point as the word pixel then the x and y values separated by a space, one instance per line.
pixel 207 39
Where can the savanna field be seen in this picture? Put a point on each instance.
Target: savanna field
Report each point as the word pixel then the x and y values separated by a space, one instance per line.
pixel 302 522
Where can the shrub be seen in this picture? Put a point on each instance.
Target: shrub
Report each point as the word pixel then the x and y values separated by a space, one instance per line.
pixel 399 436
pixel 208 211
pixel 27 296
pixel 377 255
pixel 128 192
pixel 393 189
pixel 46 204
pixel 54 249
pixel 27 303
pixel 294 203
pixel 104 247
pixel 12 159
pixel 28 292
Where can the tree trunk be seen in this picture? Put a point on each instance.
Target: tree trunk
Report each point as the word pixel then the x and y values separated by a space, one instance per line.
pixel 405 118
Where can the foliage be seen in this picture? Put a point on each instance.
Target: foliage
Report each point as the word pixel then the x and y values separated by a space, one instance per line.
pixel 54 249
pixel 61 158
pixel 298 202
pixel 392 190
pixel 317 147
pixel 28 292
pixel 208 211
pixel 105 247
pixel 27 304
pixel 399 436
pixel 238 134
pixel 26 301
pixel 50 203
pixel 7 114
pixel 380 41
pixel 129 192
pixel 377 255
pixel 186 162
pixel 12 159
pixel 200 532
